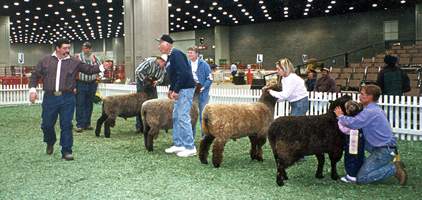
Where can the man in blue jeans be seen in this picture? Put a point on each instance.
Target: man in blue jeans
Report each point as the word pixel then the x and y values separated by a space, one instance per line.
pixel 58 74
pixel 86 87
pixel 379 138
pixel 182 87
pixel 202 75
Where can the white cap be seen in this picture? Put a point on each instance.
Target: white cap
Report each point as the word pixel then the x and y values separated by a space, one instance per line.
pixel 163 57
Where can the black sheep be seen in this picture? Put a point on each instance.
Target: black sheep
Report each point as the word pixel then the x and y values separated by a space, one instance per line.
pixel 293 137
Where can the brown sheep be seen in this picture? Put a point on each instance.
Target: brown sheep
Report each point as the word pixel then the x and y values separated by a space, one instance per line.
pixel 293 137
pixel 157 114
pixel 231 121
pixel 124 106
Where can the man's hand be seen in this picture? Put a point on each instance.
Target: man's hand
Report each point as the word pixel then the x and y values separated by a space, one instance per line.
pixel 33 97
pixel 198 88
pixel 338 111
pixel 154 83
pixel 174 95
pixel 107 64
pixel 169 94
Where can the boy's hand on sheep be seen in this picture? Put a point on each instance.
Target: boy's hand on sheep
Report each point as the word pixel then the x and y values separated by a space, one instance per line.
pixel 338 111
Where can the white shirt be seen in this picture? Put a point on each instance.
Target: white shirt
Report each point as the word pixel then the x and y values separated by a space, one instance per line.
pixel 233 68
pixel 194 65
pixel 294 89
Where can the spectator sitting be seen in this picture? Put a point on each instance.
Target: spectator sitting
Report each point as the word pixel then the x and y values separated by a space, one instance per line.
pixel 325 83
pixel 391 79
pixel 311 80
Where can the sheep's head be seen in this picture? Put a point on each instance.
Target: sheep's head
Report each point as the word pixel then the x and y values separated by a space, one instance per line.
pixel 149 88
pixel 341 101
pixel 265 96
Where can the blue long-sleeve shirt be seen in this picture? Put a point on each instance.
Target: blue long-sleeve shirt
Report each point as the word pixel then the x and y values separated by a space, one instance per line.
pixel 179 71
pixel 374 124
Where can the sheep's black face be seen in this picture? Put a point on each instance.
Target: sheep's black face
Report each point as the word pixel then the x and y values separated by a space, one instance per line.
pixel 265 96
pixel 341 101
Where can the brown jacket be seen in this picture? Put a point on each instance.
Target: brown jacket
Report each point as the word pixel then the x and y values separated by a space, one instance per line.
pixel 47 70
pixel 325 84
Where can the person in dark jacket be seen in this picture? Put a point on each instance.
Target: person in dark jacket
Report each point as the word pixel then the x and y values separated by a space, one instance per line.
pixel 182 87
pixel 325 83
pixel 311 80
pixel 391 79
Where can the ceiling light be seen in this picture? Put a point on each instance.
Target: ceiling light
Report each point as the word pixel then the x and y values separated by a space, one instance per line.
pixel 5 6
pixel 403 1
pixel 351 8
pixel 374 5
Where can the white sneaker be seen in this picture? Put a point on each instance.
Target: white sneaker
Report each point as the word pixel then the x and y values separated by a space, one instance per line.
pixel 348 179
pixel 187 153
pixel 175 149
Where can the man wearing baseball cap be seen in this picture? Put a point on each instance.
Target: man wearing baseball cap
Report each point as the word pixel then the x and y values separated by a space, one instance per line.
pixel 150 72
pixel 182 89
pixel 325 83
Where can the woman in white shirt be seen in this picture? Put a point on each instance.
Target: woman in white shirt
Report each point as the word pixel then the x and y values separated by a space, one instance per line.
pixel 294 89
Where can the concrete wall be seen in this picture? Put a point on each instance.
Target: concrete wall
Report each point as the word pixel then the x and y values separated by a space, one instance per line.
pixel 316 37
pixel 183 40
pixel 4 41
pixel 209 41
pixel 32 53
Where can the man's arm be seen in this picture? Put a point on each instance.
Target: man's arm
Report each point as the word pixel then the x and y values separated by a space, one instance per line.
pixel 207 73
pixel 37 73
pixel 357 122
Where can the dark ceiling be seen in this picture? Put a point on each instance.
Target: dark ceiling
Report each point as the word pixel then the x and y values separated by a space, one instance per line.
pixel 42 21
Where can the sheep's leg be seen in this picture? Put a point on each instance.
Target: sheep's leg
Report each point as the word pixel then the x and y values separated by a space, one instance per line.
pixel 100 122
pixel 217 152
pixel 204 147
pixel 260 142
pixel 108 123
pixel 254 144
pixel 149 139
pixel 281 172
pixel 321 161
pixel 141 125
pixel 335 157
pixel 273 148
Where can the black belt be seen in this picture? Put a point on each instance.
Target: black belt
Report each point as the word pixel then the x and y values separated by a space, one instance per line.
pixel 57 93
pixel 390 147
pixel 93 81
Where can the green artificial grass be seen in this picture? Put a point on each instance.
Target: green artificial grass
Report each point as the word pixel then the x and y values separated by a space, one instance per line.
pixel 121 168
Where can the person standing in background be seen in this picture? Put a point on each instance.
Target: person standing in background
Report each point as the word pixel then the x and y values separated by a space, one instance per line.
pixel 86 87
pixel 202 75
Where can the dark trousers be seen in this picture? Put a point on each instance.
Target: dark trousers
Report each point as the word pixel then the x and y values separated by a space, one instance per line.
pixel 353 162
pixel 84 103
pixel 63 107
pixel 140 87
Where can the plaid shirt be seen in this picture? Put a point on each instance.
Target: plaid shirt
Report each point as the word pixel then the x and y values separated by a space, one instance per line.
pixel 91 60
pixel 149 69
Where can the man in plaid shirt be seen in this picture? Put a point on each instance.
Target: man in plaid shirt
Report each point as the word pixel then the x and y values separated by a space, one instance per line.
pixel 150 72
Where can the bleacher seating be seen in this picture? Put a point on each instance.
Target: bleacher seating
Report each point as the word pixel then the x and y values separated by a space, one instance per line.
pixel 352 76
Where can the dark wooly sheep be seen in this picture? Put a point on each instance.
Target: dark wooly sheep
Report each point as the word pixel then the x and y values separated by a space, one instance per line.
pixel 231 121
pixel 124 106
pixel 157 114
pixel 293 137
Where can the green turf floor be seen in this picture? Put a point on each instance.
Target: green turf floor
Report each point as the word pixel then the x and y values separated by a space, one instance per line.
pixel 121 168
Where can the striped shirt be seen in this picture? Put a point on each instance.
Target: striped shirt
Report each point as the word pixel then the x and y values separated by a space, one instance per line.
pixel 149 68
pixel 91 60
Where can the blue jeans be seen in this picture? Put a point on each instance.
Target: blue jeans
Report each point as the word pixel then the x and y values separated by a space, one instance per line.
pixel 203 99
pixel 182 127
pixel 299 107
pixel 353 162
pixel 64 107
pixel 377 166
pixel 84 103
